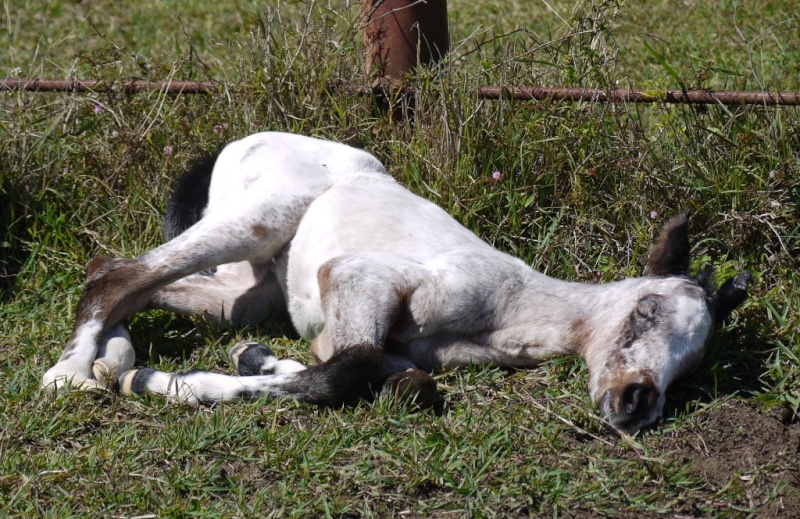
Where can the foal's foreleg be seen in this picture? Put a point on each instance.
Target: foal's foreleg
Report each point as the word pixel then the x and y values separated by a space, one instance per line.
pixel 363 296
pixel 361 299
pixel 344 379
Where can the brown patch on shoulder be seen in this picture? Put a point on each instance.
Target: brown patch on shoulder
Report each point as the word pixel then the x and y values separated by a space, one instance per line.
pixel 324 280
pixel 579 335
pixel 260 230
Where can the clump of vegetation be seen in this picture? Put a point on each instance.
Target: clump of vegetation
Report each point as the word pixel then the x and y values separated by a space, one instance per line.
pixel 577 190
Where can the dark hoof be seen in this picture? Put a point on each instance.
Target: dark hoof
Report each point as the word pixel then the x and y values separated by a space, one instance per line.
pixel 249 358
pixel 413 385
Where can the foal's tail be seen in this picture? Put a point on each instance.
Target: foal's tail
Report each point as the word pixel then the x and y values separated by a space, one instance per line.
pixel 189 196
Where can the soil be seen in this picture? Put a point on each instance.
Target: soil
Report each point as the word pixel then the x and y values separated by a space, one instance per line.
pixel 741 446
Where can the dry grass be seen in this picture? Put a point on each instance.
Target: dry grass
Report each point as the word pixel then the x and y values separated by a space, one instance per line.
pixel 579 184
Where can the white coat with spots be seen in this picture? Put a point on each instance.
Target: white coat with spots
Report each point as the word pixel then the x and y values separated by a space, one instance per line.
pixel 386 284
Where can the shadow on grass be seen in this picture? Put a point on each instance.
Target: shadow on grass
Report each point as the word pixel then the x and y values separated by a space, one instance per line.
pixel 13 252
pixel 172 336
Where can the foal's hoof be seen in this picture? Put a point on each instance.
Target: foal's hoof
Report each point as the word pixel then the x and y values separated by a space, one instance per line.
pixel 105 374
pixel 248 357
pixel 90 384
pixel 134 381
pixel 59 377
pixel 414 385
pixel 115 355
pixel 251 358
pixel 73 382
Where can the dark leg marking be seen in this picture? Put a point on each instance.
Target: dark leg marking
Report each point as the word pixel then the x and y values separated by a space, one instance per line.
pixel 138 383
pixel 350 375
pixel 249 358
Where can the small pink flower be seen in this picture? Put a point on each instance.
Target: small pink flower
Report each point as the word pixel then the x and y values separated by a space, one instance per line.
pixel 168 150
pixel 653 215
pixel 98 108
pixel 496 176
pixel 220 128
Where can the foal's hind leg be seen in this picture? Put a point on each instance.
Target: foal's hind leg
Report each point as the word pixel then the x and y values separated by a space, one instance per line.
pixel 249 232
pixel 241 293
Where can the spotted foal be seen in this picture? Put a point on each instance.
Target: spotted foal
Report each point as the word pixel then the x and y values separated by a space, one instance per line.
pixel 387 286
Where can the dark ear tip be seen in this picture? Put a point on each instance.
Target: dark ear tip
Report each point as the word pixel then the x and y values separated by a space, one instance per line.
pixel 738 283
pixel 679 220
pixel 732 293
pixel 670 254
pixel 742 280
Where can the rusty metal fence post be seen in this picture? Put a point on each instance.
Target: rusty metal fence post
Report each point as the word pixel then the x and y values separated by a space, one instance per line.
pixel 401 34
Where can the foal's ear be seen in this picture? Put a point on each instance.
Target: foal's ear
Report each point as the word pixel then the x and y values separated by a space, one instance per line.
pixel 732 293
pixel 669 255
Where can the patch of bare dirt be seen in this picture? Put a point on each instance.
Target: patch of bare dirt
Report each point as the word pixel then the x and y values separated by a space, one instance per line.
pixel 739 446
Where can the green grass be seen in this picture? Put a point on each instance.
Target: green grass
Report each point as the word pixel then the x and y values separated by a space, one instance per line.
pixel 579 183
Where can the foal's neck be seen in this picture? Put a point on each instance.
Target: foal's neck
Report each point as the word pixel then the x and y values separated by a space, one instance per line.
pixel 554 317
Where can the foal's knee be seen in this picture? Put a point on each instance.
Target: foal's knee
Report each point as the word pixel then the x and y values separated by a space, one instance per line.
pixel 115 289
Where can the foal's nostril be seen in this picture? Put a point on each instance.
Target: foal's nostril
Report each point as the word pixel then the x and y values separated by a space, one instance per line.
pixel 606 404
pixel 635 399
pixel 631 406
pixel 631 397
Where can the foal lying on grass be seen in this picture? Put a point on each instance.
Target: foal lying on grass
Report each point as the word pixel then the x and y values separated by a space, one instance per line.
pixel 387 285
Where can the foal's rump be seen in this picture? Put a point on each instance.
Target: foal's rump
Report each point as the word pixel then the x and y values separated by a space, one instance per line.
pixel 252 196
pixel 250 168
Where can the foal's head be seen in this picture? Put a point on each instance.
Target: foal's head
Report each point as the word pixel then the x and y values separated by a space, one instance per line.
pixel 661 326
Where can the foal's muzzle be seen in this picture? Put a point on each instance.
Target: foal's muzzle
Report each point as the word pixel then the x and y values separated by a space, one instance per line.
pixel 631 407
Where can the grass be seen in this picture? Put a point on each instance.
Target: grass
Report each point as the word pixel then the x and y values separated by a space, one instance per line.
pixel 578 185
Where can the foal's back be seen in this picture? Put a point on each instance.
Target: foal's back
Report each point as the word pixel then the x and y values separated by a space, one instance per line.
pixel 268 162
